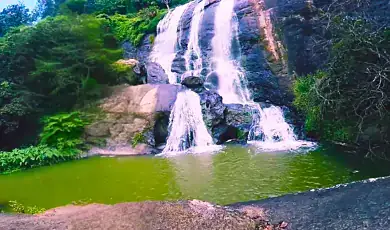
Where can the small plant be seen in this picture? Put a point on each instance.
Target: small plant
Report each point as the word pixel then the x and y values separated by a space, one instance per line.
pixel 152 38
pixel 20 208
pixel 241 135
pixel 137 139
pixel 31 157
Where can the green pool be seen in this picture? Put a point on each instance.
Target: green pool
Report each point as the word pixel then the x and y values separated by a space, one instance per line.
pixel 234 174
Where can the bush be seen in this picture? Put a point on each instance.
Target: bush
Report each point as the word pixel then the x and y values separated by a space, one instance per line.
pixel 31 157
pixel 134 27
pixel 63 131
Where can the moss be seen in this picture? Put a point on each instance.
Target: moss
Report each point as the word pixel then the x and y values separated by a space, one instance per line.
pixel 152 38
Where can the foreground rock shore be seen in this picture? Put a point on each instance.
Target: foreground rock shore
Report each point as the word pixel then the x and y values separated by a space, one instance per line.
pixel 360 205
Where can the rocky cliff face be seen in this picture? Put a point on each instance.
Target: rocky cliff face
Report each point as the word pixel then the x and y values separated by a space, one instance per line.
pixel 133 112
pixel 277 41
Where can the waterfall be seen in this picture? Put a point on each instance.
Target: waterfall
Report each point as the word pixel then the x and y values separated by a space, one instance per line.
pixel 186 125
pixel 193 54
pixel 164 48
pixel 269 130
pixel 231 84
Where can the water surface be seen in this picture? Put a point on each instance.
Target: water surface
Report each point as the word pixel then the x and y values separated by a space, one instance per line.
pixel 235 174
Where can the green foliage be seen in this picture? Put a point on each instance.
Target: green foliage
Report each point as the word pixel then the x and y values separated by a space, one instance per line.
pixel 350 100
pixel 125 74
pixel 152 38
pixel 20 208
pixel 241 135
pixel 31 157
pixel 47 8
pixel 75 6
pixel 112 7
pixel 137 139
pixel 319 123
pixel 50 67
pixel 134 27
pixel 63 131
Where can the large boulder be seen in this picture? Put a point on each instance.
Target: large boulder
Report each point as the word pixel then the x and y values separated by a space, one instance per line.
pixel 236 125
pixel 134 112
pixel 192 82
pixel 136 73
pixel 239 116
pixel 156 74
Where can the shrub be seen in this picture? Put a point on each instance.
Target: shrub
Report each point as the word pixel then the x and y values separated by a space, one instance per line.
pixel 134 27
pixel 31 157
pixel 63 131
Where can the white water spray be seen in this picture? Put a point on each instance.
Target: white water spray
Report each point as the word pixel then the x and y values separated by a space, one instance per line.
pixel 186 125
pixel 269 129
pixel 193 54
pixel 164 48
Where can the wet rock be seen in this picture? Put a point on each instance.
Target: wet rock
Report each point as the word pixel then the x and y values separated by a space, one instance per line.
pixel 192 82
pixel 212 81
pixel 141 52
pixel 156 74
pixel 212 108
pixel 223 133
pixel 239 116
pixel 160 130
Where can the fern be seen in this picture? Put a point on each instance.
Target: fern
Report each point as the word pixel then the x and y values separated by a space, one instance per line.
pixel 63 131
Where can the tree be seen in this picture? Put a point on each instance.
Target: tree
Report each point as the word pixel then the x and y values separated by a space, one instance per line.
pixel 349 101
pixel 47 8
pixel 13 16
pixel 60 62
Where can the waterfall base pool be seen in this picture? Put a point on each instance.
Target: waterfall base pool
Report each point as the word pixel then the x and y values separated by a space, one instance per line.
pixel 235 174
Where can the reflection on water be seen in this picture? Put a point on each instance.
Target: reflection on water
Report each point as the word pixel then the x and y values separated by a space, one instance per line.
pixel 235 174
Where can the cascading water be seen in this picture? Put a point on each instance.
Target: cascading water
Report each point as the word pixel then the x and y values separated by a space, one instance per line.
pixel 230 78
pixel 193 54
pixel 186 125
pixel 269 129
pixel 164 48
